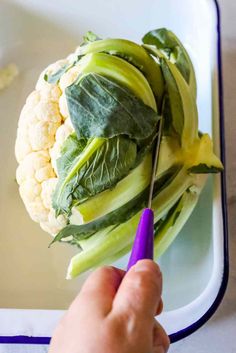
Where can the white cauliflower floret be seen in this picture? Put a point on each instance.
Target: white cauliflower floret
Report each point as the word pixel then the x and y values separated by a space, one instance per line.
pixel 61 135
pixel 28 116
pixel 32 99
pixel 43 126
pixel 37 211
pixel 37 126
pixel 66 80
pixel 69 77
pixel 63 106
pixel 43 85
pixel 22 146
pixel 30 189
pixel 48 186
pixel 48 111
pixel 54 224
pixel 68 123
pixel 42 135
pixel 35 165
pixel 52 94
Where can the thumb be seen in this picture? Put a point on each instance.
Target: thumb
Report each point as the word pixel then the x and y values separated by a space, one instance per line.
pixel 140 290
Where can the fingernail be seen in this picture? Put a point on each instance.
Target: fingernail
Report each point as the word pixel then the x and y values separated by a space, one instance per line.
pixel 147 266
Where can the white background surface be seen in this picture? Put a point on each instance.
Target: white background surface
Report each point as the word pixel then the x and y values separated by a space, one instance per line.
pixel 219 334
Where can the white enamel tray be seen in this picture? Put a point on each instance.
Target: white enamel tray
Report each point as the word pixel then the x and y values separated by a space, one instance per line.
pixel 33 290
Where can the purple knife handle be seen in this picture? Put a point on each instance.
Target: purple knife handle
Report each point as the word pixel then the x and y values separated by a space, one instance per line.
pixel 143 243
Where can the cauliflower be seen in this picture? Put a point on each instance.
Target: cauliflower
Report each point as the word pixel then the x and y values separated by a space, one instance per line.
pixel 43 126
pixel 104 172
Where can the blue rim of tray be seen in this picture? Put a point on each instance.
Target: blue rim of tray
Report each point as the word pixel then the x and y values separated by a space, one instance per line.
pixel 174 337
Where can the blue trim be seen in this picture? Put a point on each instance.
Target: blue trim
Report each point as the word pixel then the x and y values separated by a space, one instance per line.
pixel 194 327
pixel 24 340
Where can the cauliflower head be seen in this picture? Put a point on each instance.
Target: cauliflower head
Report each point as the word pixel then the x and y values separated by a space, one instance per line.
pixel 43 126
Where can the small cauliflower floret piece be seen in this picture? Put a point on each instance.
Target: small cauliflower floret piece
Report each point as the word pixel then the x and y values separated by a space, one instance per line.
pixel 7 75
pixel 61 135
pixel 54 224
pixel 35 165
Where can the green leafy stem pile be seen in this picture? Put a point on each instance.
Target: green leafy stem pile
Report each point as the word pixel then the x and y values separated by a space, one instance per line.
pixel 115 106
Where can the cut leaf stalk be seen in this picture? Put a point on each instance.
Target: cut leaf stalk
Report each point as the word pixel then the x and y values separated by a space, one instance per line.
pixel 132 53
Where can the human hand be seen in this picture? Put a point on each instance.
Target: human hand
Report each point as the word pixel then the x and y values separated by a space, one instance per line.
pixel 114 313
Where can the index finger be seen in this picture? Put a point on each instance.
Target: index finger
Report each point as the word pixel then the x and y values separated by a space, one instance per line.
pixel 98 291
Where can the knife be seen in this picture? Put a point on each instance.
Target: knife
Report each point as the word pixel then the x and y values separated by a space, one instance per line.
pixel 144 239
